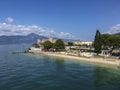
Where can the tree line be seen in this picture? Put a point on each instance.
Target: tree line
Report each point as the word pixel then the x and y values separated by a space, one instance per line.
pixel 59 44
pixel 103 41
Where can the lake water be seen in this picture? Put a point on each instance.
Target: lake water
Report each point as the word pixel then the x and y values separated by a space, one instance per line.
pixel 34 72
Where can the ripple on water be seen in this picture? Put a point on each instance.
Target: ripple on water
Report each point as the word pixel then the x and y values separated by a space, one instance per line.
pixel 35 72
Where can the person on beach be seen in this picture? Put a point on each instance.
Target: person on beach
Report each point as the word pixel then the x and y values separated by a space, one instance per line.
pixel 103 57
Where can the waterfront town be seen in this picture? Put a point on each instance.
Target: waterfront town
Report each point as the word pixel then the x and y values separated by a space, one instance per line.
pixel 87 50
pixel 71 47
pixel 59 44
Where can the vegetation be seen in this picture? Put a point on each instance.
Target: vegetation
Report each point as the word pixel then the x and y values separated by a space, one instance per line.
pixel 110 40
pixel 35 45
pixel 114 41
pixel 70 43
pixel 47 45
pixel 97 42
pixel 59 44
pixel 105 41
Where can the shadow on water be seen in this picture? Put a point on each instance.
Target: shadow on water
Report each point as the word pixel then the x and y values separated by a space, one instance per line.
pixel 42 72
pixel 57 62
pixel 106 78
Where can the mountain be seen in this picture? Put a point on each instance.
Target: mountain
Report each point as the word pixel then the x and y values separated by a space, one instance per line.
pixel 116 34
pixel 31 38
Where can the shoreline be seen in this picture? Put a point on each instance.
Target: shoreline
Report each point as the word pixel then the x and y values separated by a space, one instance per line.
pixel 113 62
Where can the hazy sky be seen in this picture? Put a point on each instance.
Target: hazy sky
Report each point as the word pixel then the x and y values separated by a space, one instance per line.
pixel 77 19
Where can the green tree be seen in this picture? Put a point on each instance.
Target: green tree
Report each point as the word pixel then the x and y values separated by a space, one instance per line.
pixel 70 43
pixel 97 42
pixel 47 45
pixel 35 45
pixel 104 39
pixel 59 44
pixel 114 41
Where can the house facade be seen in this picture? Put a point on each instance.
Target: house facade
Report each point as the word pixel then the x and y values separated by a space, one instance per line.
pixel 86 43
pixel 76 42
pixel 41 41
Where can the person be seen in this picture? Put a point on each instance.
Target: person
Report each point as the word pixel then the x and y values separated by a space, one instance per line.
pixel 103 57
pixel 118 64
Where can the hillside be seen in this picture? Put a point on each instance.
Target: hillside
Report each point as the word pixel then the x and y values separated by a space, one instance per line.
pixel 31 38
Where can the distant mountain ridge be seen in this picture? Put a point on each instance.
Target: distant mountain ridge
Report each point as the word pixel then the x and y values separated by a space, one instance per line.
pixel 117 33
pixel 30 38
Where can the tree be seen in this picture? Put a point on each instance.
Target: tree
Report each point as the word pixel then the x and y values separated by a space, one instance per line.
pixel 114 41
pixel 110 40
pixel 59 44
pixel 35 45
pixel 47 45
pixel 97 42
pixel 70 43
pixel 104 39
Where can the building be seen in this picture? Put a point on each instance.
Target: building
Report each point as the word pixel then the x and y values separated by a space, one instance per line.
pixel 51 40
pixel 65 43
pixel 76 42
pixel 41 41
pixel 89 43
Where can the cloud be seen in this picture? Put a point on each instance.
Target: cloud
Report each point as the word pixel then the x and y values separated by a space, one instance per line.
pixel 114 29
pixel 67 35
pixel 9 20
pixel 10 29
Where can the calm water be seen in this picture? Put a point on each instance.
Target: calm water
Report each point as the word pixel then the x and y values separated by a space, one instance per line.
pixel 34 72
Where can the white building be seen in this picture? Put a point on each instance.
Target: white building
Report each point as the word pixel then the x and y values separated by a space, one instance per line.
pixel 41 41
pixel 76 42
pixel 89 43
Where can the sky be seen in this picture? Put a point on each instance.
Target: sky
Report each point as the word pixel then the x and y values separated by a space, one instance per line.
pixel 75 19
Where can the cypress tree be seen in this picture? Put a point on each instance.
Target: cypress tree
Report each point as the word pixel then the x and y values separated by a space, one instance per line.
pixel 97 42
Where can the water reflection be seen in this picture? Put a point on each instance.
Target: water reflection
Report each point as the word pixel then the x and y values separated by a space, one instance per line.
pixel 56 62
pixel 106 78
pixel 59 61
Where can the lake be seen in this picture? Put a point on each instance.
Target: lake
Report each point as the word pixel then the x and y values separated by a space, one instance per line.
pixel 40 72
